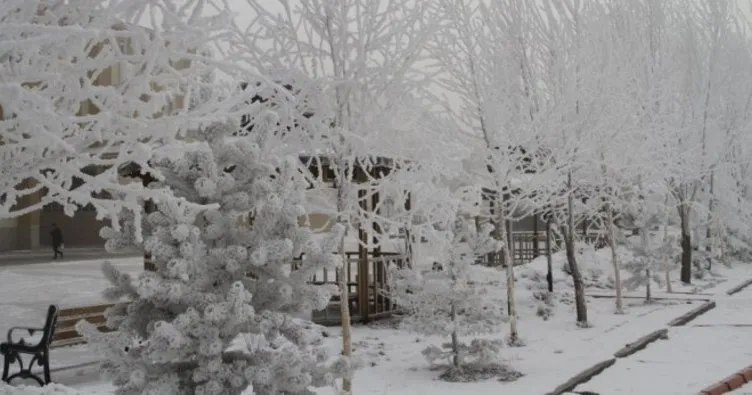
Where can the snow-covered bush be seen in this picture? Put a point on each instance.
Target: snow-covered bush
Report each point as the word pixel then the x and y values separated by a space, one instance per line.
pixel 221 313
pixel 455 300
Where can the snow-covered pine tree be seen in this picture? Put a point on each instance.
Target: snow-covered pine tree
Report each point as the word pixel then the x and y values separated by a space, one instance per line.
pixel 456 299
pixel 221 313
pixel 646 264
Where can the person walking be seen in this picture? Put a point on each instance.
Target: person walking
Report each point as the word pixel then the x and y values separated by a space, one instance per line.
pixel 57 241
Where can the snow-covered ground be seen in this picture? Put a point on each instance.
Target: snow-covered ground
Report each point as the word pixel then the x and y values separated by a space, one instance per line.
pixel 555 348
pixel 708 349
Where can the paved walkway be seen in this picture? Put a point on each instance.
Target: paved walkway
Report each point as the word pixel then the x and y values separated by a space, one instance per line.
pixel 12 258
pixel 706 350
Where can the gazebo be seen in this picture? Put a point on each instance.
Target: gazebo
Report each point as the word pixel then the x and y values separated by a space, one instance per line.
pixel 366 267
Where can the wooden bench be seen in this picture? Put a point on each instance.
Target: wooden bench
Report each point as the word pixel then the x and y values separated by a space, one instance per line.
pixel 65 331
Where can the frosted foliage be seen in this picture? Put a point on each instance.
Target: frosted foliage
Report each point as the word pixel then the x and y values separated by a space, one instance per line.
pixel 86 88
pixel 221 311
pixel 455 300
pixel 649 260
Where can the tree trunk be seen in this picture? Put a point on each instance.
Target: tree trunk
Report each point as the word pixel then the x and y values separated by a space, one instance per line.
pixel 709 229
pixel 549 257
pixel 344 293
pixel 614 260
pixel 344 303
pixel 149 207
pixel 478 229
pixel 579 286
pixel 455 339
pixel 507 259
pixel 686 245
pixel 644 242
pixel 667 259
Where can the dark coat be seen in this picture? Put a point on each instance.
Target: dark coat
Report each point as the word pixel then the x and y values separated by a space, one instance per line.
pixel 57 236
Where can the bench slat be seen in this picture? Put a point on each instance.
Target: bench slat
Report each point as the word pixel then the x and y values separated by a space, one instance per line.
pixel 65 330
pixel 85 310
pixel 79 316
pixel 71 323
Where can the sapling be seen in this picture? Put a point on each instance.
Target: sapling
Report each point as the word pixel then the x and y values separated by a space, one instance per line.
pixel 457 301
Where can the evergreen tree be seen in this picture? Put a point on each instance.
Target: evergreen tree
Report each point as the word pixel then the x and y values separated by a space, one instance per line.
pixel 647 263
pixel 455 299
pixel 221 313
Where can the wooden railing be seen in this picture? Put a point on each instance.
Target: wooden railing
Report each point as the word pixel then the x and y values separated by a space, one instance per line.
pixel 368 296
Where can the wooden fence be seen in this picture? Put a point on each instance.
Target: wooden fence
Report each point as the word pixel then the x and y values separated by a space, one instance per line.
pixel 527 246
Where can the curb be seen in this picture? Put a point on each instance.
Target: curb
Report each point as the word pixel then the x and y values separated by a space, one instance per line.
pixel 730 383
pixel 583 377
pixel 692 314
pixel 641 343
pixel 631 348
pixel 678 298
pixel 739 287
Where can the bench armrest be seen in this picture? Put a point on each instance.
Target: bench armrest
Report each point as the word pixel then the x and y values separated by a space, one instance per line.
pixel 30 330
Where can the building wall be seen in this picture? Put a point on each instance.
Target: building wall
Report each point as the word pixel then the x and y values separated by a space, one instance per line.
pixel 80 230
pixel 8 234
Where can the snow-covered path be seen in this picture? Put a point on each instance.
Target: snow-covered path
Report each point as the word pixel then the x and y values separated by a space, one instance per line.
pixel 711 347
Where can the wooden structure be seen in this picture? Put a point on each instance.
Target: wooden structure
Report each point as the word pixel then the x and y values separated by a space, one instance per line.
pixel 521 246
pixel 368 283
pixel 368 288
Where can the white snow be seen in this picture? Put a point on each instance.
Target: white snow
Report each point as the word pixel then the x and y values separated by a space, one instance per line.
pixel 555 349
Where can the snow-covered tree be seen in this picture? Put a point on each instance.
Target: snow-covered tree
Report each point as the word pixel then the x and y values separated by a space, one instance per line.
pixel 456 300
pixel 362 54
pixel 648 213
pixel 222 312
pixel 646 264
pixel 486 59
pixel 579 75
pixel 706 103
pixel 87 86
